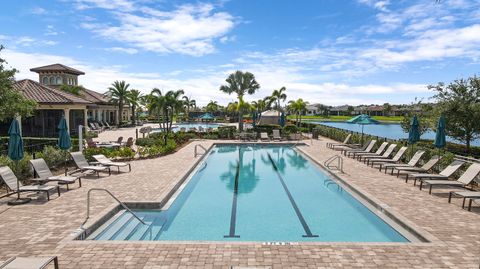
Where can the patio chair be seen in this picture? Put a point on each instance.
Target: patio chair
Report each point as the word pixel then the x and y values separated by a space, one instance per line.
pixel 379 151
pixel 129 142
pixel 385 155
pixel 465 179
pixel 200 129
pixel 276 135
pixel 183 129
pixel 410 170
pixel 344 143
pixel 101 159
pixel 413 161
pixel 93 127
pixel 443 175
pixel 29 263
pixel 382 161
pixel 97 125
pixel 10 180
pixel 264 137
pixel 84 166
pixel 465 195
pixel 119 140
pixel 366 148
pixel 45 175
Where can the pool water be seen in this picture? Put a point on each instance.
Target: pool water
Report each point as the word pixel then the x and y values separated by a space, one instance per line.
pixel 257 193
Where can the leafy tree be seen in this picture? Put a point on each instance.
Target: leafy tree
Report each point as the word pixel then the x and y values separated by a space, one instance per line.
pixel 459 102
pixel 387 109
pixel 12 102
pixel 424 116
pixel 350 110
pixel 188 103
pixel 118 94
pixel 165 106
pixel 298 107
pixel 134 98
pixel 240 83
pixel 259 105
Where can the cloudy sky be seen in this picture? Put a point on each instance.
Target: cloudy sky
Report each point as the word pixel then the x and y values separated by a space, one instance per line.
pixel 327 51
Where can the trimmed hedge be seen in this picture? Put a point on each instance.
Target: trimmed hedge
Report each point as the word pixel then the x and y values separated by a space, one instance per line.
pixel 267 128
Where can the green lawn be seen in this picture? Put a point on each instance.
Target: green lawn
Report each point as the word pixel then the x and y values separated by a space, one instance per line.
pixel 344 118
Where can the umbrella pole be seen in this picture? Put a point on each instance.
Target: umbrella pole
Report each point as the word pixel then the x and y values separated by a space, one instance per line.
pixel 18 181
pixel 65 157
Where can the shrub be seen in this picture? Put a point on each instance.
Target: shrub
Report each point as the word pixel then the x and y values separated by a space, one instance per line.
pixel 226 131
pixel 21 168
pixel 148 141
pixel 53 156
pixel 267 128
pixel 290 129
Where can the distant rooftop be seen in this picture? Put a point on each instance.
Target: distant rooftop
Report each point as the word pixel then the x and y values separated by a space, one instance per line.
pixel 57 68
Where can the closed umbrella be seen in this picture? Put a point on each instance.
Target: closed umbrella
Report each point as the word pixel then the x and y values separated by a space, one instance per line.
pixel 440 137
pixel 15 153
pixel 254 119
pixel 363 120
pixel 281 120
pixel 414 132
pixel 64 141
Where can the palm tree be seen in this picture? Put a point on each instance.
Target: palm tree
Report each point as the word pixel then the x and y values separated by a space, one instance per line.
pixel 188 103
pixel 240 83
pixel 134 98
pixel 278 96
pixel 212 107
pixel 156 104
pixel 118 94
pixel 173 105
pixel 298 107
pixel 259 105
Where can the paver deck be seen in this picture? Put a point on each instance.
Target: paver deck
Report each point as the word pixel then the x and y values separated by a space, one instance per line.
pixel 44 228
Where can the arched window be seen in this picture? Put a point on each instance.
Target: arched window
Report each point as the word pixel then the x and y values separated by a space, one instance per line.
pixel 45 80
pixel 52 80
pixel 59 81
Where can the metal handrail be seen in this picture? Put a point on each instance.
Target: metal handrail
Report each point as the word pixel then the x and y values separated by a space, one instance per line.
pixel 195 154
pixel 113 196
pixel 330 160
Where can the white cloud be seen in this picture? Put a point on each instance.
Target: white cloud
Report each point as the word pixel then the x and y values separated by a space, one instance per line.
pixel 105 4
pixel 123 50
pixel 38 11
pixel 189 29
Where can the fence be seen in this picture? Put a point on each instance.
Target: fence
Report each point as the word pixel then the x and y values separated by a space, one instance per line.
pixel 33 144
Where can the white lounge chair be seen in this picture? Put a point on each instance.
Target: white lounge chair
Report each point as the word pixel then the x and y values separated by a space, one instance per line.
pixel 10 180
pixel 367 148
pixel 424 168
pixel 83 165
pixel 444 174
pixel 385 155
pixel 465 195
pixel 379 152
pixel 466 178
pixel 45 175
pixel 101 159
pixel 413 161
pixel 382 161
pixel 343 144
pixel 264 137
pixel 276 135
pixel 29 263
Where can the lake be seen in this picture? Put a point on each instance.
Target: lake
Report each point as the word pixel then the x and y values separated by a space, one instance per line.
pixel 390 130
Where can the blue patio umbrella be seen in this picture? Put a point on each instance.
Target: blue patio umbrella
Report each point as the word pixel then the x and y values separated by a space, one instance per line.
pixel 64 141
pixel 281 120
pixel 363 120
pixel 254 119
pixel 207 116
pixel 414 131
pixel 440 137
pixel 15 153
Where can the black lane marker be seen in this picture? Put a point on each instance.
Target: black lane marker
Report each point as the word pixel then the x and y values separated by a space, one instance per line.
pixel 292 201
pixel 233 216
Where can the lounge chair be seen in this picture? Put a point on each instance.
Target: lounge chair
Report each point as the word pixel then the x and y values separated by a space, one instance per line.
pixel 45 175
pixel 276 135
pixel 382 161
pixel 424 168
pixel 91 143
pixel 10 180
pixel 200 129
pixel 466 178
pixel 366 148
pixel 443 175
pixel 264 137
pixel 385 155
pixel 383 146
pixel 343 144
pixel 84 166
pixel 464 194
pixel 97 125
pixel 129 142
pixel 101 159
pixel 413 161
pixel 471 203
pixel 29 263
pixel 119 140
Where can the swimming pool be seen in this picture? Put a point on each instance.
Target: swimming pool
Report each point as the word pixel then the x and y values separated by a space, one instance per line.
pixel 188 126
pixel 256 193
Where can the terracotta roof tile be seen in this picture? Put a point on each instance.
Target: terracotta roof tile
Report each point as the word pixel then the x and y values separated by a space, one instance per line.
pixel 57 67
pixel 42 94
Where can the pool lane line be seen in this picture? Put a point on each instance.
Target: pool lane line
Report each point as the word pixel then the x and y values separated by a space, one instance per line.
pixel 292 201
pixel 233 216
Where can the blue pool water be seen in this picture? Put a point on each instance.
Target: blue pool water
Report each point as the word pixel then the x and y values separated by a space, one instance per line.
pixel 257 193
pixel 392 131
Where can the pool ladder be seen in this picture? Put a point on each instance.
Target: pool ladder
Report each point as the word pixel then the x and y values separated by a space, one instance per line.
pixel 116 199
pixel 195 153
pixel 329 163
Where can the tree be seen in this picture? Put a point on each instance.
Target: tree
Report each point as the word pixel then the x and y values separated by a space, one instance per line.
pixel 259 105
pixel 165 106
pixel 424 116
pixel 212 107
pixel 240 83
pixel 134 98
pixel 12 102
pixel 278 96
pixel 459 102
pixel 118 94
pixel 156 105
pixel 298 107
pixel 188 103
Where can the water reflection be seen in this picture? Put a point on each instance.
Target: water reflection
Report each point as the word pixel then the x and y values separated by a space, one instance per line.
pixel 248 177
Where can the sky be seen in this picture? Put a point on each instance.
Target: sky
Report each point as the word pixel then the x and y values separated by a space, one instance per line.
pixel 333 52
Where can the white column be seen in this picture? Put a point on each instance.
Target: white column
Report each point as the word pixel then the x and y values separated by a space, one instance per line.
pixel 117 118
pixel 85 117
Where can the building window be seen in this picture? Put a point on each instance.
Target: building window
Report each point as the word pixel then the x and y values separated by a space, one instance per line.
pixel 59 81
pixel 45 80
pixel 52 81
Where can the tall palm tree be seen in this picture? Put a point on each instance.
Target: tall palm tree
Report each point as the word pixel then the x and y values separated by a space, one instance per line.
pixel 212 107
pixel 156 104
pixel 188 103
pixel 134 98
pixel 240 83
pixel 259 105
pixel 277 97
pixel 173 105
pixel 118 94
pixel 298 107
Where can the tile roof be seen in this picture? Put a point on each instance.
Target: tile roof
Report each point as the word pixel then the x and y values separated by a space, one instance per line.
pixel 46 95
pixel 56 68
pixel 94 97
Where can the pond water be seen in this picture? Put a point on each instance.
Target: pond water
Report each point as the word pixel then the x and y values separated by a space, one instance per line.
pixel 391 130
